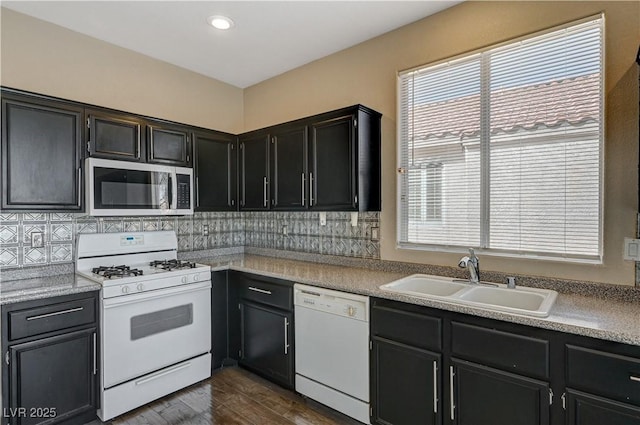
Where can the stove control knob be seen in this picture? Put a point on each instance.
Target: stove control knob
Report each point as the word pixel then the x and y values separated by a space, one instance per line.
pixel 196 277
pixel 184 279
pixel 352 311
pixel 140 287
pixel 125 289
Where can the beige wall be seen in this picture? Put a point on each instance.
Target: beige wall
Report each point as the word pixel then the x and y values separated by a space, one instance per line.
pixel 367 74
pixel 44 58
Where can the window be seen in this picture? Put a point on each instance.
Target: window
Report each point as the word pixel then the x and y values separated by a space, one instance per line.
pixel 502 149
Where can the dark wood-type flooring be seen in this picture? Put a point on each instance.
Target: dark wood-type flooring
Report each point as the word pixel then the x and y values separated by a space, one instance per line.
pixel 232 396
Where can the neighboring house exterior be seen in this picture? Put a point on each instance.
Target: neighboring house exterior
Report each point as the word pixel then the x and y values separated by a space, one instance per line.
pixel 532 130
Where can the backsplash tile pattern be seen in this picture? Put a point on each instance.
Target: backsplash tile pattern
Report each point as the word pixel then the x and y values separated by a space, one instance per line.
pixel 302 232
pixel 292 231
pixel 60 230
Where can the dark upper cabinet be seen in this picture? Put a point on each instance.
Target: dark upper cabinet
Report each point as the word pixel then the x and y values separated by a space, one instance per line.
pixel 215 169
pixel 41 154
pixel 115 135
pixel 169 144
pixel 254 172
pixel 344 160
pixel 326 162
pixel 289 169
pixel 333 168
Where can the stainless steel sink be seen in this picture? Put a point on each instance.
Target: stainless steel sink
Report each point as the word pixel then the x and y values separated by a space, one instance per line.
pixel 526 301
pixel 422 285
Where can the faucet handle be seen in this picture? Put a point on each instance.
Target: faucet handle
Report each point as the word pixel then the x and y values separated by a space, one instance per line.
pixel 463 262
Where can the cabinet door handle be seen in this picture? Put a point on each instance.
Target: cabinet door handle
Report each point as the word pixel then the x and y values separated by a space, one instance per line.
pixel 55 313
pixel 286 336
pixel 265 191
pixel 435 386
pixel 197 191
pixel 79 186
pixel 138 150
pixel 303 184
pixel 95 358
pixel 262 291
pixel 635 378
pixel 241 353
pixel 310 189
pixel 451 392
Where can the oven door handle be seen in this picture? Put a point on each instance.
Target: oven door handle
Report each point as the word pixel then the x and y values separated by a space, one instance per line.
pixel 153 295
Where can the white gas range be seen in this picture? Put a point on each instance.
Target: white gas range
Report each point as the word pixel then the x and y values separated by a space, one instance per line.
pixel 155 317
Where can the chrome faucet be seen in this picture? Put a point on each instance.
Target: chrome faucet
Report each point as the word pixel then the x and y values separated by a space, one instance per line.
pixel 472 263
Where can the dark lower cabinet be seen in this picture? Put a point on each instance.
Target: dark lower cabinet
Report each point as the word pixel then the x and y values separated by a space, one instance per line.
pixel 50 360
pixel 260 333
pixel 484 395
pixel 53 378
pixel 41 154
pixel 586 409
pixel 405 384
pixel 219 324
pixel 265 336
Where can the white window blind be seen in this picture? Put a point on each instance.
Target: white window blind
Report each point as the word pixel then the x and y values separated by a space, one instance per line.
pixel 502 149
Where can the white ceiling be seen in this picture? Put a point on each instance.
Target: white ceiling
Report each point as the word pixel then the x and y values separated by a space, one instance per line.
pixel 269 37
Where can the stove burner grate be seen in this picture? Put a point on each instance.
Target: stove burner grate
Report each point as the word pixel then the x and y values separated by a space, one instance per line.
pixel 110 272
pixel 172 264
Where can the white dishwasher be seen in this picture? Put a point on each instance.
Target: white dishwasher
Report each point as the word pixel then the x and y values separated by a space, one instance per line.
pixel 332 349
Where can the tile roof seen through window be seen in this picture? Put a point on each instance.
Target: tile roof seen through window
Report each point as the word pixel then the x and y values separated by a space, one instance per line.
pixel 573 101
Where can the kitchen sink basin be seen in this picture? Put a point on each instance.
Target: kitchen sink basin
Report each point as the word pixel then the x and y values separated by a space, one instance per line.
pixel 530 301
pixel 526 301
pixel 425 285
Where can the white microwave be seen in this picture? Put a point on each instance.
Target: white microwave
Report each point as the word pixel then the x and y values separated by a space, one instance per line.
pixel 121 188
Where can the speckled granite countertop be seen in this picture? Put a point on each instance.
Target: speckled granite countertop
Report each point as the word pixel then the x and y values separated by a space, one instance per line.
pixel 44 287
pixel 576 314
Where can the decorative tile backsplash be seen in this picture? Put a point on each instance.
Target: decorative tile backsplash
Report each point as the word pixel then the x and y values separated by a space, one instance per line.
pixel 292 231
pixel 301 231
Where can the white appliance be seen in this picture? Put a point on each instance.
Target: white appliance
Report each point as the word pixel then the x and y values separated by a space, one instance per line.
pixel 155 317
pixel 332 349
pixel 117 188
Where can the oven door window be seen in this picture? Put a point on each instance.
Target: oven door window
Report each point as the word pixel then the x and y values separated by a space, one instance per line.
pixel 131 189
pixel 154 323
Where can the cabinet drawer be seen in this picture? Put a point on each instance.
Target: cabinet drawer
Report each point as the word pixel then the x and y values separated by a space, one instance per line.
pixel 607 374
pixel 265 292
pixel 411 328
pixel 503 350
pixel 39 320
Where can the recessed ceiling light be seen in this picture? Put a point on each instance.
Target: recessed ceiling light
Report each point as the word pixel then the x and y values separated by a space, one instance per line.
pixel 220 22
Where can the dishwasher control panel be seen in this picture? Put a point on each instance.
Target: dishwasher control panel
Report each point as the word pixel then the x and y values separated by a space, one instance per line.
pixel 334 302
